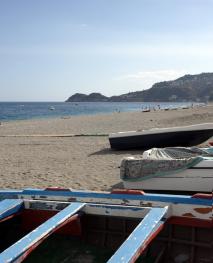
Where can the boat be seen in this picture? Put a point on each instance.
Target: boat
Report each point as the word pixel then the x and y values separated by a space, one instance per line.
pixel 170 170
pixel 133 225
pixel 146 110
pixel 51 108
pixel 162 137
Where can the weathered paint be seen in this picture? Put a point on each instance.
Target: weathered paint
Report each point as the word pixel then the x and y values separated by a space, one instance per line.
pixel 130 250
pixel 127 211
pixel 203 210
pixel 18 251
pixel 182 210
pixel 188 215
pixel 178 210
pixel 186 218
pixel 64 195
pixel 180 204
pixel 10 207
pixel 92 209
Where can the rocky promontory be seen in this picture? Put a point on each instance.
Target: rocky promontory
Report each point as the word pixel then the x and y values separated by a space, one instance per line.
pixel 187 88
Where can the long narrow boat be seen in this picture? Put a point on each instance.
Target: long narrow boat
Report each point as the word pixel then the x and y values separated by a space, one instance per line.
pixel 166 137
pixel 132 224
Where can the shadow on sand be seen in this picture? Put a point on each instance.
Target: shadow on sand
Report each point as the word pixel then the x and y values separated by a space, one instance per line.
pixel 105 151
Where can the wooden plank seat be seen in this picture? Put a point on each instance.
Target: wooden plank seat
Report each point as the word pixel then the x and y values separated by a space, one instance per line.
pixel 19 250
pixel 139 239
pixel 9 208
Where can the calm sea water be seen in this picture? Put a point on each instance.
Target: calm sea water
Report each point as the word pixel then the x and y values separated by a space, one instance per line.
pixel 35 110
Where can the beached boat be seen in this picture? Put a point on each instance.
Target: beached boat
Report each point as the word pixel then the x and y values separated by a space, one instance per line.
pixel 131 224
pixel 145 110
pixel 166 137
pixel 170 169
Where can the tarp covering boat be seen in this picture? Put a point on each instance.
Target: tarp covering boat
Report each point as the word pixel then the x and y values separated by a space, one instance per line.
pixel 162 161
pixel 174 153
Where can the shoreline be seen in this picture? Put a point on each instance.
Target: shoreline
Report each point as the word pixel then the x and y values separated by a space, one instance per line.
pixel 143 107
pixel 78 162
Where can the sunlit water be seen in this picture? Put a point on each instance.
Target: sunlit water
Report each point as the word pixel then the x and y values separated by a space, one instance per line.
pixel 37 110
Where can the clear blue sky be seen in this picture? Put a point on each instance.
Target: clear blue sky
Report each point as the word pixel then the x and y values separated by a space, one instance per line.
pixel 51 49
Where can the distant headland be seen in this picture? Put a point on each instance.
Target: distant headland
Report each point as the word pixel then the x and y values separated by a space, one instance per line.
pixel 187 88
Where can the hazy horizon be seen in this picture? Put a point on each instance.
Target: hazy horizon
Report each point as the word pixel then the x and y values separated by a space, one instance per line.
pixel 50 50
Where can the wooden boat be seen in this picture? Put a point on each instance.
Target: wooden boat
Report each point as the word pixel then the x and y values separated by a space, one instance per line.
pixel 133 224
pixel 167 137
pixel 198 176
pixel 195 179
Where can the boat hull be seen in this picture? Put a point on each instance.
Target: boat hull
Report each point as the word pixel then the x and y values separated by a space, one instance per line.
pixel 193 180
pixel 198 178
pixel 108 233
pixel 159 140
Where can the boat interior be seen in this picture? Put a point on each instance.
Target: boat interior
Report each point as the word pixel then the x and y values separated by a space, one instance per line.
pixel 36 230
pixel 98 237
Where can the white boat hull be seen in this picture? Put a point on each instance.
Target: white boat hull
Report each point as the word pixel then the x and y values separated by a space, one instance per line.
pixel 199 179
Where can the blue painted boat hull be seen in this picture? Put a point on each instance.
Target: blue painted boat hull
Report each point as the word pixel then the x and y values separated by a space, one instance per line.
pixel 130 224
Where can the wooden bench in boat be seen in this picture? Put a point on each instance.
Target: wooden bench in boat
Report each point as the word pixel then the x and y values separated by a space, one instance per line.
pixel 144 233
pixel 19 251
pixel 9 207
pixel 138 240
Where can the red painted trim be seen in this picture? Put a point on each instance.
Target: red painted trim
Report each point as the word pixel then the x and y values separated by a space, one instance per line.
pixel 203 196
pixel 9 217
pixel 211 143
pixel 126 191
pixel 186 221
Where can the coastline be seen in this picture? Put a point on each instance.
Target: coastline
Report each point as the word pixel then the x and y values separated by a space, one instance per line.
pixel 16 111
pixel 78 162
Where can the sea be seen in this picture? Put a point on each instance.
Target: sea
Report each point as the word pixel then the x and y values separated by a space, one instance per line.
pixel 10 111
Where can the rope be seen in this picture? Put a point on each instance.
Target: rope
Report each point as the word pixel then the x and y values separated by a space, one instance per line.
pixel 57 135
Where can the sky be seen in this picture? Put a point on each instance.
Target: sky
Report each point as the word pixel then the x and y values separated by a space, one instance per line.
pixel 51 49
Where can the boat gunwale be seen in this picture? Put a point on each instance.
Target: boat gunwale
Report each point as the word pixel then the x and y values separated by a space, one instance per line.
pixel 45 194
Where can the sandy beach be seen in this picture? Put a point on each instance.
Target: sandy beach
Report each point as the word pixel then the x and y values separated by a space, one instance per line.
pixel 30 157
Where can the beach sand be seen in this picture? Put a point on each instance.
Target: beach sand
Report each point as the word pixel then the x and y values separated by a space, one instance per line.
pixel 77 162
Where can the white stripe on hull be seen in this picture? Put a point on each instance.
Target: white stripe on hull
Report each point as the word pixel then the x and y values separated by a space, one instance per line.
pixel 202 126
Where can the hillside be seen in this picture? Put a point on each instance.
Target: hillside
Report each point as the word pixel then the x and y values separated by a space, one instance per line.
pixel 187 88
